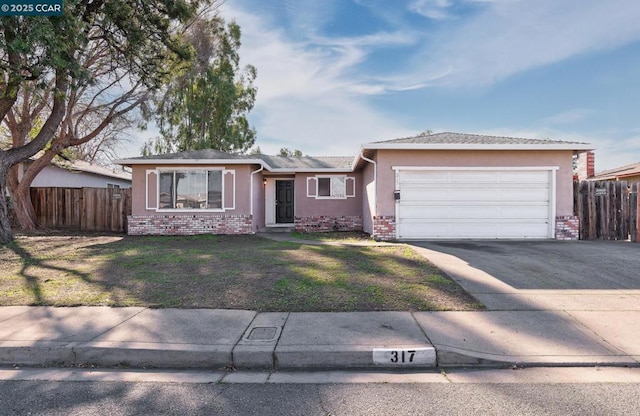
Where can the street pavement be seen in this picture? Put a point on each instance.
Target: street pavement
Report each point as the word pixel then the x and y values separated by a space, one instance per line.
pixel 527 323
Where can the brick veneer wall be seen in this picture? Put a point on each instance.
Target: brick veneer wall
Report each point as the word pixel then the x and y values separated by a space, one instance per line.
pixel 328 223
pixel 567 227
pixel 384 227
pixel 188 224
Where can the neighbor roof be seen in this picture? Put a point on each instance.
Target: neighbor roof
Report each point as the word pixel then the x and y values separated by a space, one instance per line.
pixel 621 172
pixel 462 141
pixel 86 167
pixel 270 163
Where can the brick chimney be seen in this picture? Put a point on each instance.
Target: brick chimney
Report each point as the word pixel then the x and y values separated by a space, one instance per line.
pixel 586 165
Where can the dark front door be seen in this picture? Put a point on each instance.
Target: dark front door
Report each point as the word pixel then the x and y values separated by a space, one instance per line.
pixel 284 202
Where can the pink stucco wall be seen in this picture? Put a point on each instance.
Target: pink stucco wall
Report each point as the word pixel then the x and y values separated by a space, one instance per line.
pixel 310 206
pixel 368 197
pixel 242 186
pixel 386 159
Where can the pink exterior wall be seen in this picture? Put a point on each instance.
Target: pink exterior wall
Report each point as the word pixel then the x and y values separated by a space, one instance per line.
pixel 475 158
pixel 368 197
pixel 233 220
pixel 242 186
pixel 318 215
pixel 258 201
pixel 312 207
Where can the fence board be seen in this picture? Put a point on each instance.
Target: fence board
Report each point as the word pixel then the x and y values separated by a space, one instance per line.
pixel 607 210
pixel 85 209
pixel 634 213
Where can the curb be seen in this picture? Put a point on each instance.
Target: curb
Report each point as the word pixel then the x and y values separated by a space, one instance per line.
pixel 192 356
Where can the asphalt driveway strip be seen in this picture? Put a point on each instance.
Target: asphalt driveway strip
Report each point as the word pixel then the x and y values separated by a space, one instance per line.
pixel 550 264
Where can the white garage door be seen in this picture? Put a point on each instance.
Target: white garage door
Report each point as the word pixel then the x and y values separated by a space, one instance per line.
pixel 475 203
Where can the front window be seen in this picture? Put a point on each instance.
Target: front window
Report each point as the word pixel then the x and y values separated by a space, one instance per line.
pixel 332 187
pixel 190 189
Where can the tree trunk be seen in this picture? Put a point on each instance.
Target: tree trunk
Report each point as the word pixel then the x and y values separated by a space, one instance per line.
pixel 6 236
pixel 21 199
pixel 21 194
pixel 16 155
pixel 23 208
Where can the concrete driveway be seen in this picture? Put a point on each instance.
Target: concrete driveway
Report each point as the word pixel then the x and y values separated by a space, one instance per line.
pixel 542 275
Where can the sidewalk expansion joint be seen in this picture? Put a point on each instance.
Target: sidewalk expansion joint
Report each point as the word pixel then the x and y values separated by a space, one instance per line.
pixel 273 353
pixel 421 329
pixel 120 323
pixel 600 339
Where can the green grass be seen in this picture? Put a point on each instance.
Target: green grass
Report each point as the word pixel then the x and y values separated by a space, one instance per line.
pixel 230 272
pixel 334 236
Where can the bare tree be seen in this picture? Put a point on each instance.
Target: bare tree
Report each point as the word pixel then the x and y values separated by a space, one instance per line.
pixel 129 45
pixel 96 114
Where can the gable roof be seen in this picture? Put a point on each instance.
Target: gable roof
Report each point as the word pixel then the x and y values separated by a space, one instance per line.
pixel 270 163
pixel 307 162
pixel 462 141
pixel 436 141
pixel 86 167
pixel 621 172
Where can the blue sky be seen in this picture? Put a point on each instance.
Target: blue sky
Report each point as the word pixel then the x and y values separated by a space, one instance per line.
pixel 333 74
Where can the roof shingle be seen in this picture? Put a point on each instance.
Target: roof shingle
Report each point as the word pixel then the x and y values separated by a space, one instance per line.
pixel 461 138
pixel 274 162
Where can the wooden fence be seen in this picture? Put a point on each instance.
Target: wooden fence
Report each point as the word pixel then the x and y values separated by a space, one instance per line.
pixel 84 209
pixel 608 210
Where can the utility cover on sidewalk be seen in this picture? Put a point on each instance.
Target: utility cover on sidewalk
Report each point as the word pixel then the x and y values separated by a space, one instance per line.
pixel 263 334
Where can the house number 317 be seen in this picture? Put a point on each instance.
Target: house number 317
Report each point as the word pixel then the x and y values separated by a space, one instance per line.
pixel 402 356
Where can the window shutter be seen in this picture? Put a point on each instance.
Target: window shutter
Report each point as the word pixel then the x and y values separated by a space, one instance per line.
pixel 229 189
pixel 312 187
pixel 350 187
pixel 152 189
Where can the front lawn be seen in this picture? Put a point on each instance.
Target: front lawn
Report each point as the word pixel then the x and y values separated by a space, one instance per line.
pixel 229 272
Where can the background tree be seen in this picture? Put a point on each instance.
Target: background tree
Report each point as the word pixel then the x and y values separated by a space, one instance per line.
pixel 206 106
pixel 285 151
pixel 50 53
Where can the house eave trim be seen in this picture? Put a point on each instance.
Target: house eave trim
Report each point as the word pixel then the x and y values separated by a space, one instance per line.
pixel 449 146
pixel 311 170
pixel 191 162
pixel 263 164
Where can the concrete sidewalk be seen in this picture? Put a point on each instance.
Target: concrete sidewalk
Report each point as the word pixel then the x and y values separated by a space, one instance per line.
pixel 204 338
pixel 519 327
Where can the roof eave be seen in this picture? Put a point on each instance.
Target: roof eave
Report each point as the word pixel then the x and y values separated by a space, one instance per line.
pixel 466 146
pixel 310 170
pixel 167 162
pixel 130 162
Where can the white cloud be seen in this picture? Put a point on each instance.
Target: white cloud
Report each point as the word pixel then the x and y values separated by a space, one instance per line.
pixel 432 9
pixel 314 89
pixel 311 95
pixel 509 37
pixel 570 116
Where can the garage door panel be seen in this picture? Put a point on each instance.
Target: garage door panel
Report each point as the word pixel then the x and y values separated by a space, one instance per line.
pixel 426 195
pixel 528 195
pixel 525 177
pixel 464 212
pixel 420 177
pixel 474 177
pixel 470 196
pixel 475 230
pixel 474 204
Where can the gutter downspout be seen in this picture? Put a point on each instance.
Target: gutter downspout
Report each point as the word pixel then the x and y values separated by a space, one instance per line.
pixel 375 185
pixel 251 190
